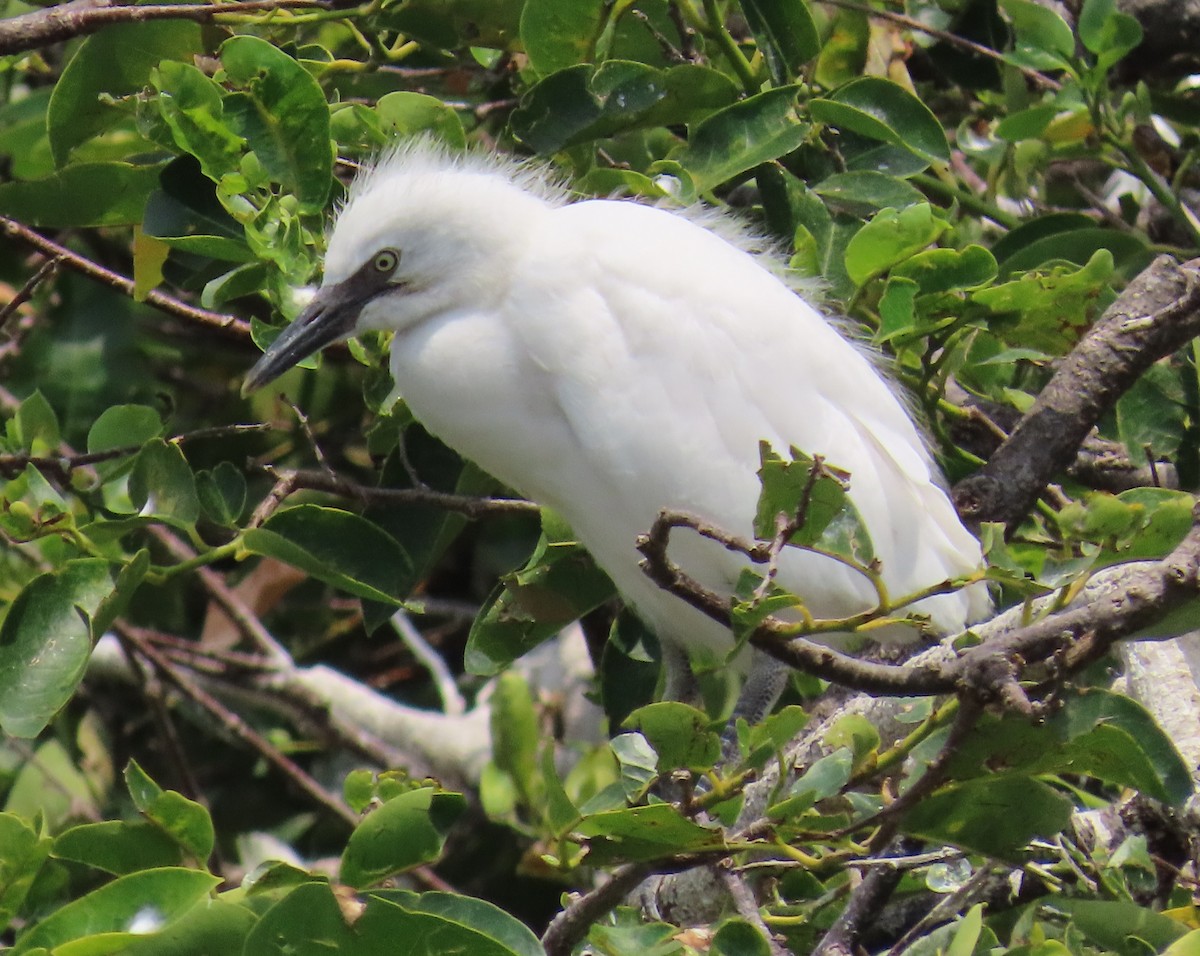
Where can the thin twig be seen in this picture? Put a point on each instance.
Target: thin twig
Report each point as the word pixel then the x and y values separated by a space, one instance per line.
pixel 290 481
pixel 26 291
pixel 229 324
pixel 234 724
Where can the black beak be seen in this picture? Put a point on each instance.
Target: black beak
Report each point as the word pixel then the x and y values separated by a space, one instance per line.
pixel 330 316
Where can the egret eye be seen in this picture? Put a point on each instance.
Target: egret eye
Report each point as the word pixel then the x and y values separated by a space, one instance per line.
pixel 385 261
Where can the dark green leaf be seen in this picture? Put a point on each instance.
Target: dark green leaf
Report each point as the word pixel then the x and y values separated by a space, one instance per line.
pixel 737 138
pixel 883 110
pixel 995 816
pixel 45 642
pixel 867 191
pixel 83 194
pixel 785 33
pixel 222 493
pixel 583 103
pixel 336 547
pixel 1129 251
pixel 1118 925
pixel 162 483
pixel 559 585
pixel 644 833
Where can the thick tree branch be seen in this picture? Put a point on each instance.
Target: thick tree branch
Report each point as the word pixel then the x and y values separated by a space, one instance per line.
pixel 1157 314
pixel 39 28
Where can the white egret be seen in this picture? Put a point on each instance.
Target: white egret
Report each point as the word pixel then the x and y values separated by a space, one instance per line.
pixel 609 358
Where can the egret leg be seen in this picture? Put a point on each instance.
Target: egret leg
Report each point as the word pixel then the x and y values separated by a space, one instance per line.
pixel 679 680
pixel 765 682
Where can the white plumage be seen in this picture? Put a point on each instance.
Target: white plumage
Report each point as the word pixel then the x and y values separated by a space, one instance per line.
pixel 609 358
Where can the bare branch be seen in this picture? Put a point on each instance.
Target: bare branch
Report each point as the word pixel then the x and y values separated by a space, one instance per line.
pixel 228 324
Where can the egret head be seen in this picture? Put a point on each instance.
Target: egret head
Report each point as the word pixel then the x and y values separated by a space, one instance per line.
pixel 423 232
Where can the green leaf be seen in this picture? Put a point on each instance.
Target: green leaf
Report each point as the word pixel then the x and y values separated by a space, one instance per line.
pixel 557 35
pixel 82 194
pixel 118 847
pixel 844 53
pixel 1129 251
pixel 162 483
pixel 737 138
pixel 115 62
pixel 1107 32
pixel 826 777
pixel 45 642
pixel 883 110
pixel 36 424
pixel 123 426
pixel 788 486
pixel 995 816
pixel 891 237
pixel 948 270
pixel 282 114
pixel 515 736
pixel 866 191
pixel 680 734
pixel 1040 30
pixel 406 831
pixel 185 821
pixel 22 853
pixel 1119 925
pixel 193 108
pixel 785 33
pixel 1049 310
pixel 644 833
pixel 222 493
pixel 406 114
pixel 738 938
pixel 490 924
pixel 336 547
pixel 583 103
pixel 162 895
pixel 559 585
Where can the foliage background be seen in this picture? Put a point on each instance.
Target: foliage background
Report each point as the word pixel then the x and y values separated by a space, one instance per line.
pixel 291 598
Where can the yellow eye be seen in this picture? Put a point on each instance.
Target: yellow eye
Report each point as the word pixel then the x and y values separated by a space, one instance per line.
pixel 385 261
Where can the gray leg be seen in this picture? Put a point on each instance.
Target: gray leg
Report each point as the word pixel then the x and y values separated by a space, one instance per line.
pixel 680 683
pixel 765 683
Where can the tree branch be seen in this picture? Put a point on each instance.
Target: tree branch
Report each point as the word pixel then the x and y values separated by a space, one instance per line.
pixel 1157 314
pixel 29 31
pixel 230 324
